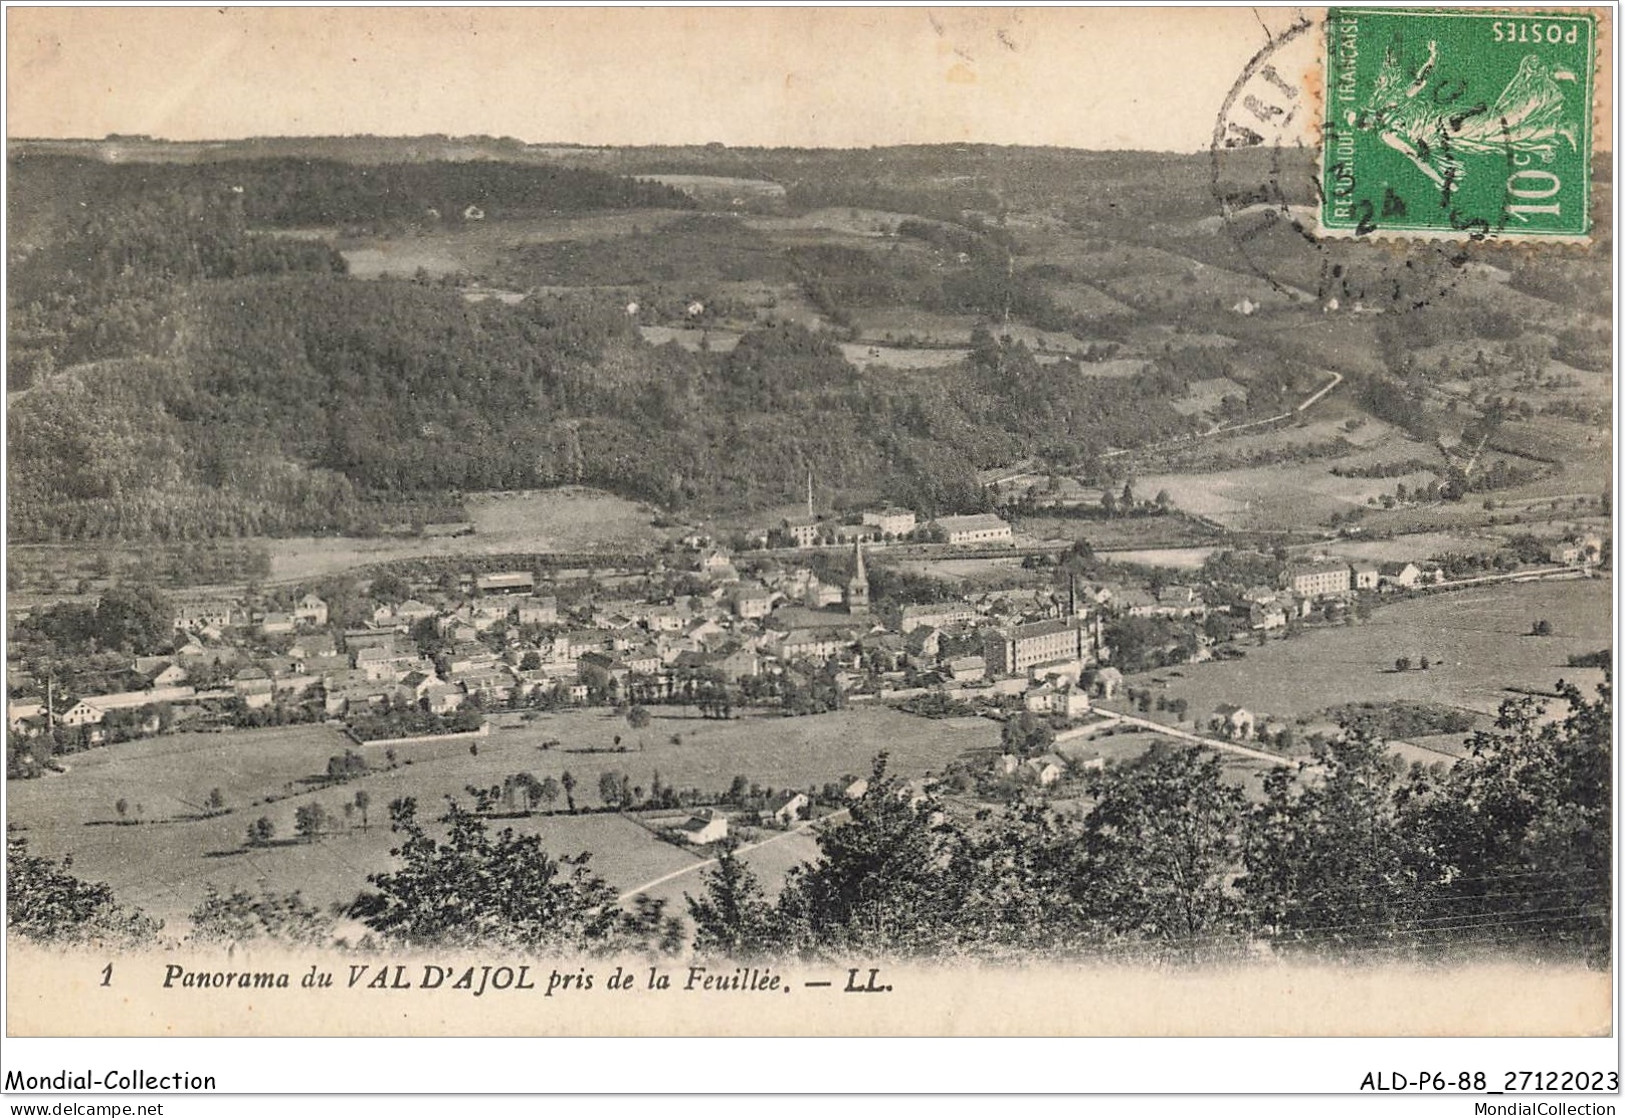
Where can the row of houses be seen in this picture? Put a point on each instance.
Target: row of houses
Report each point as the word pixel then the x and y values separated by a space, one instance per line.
pixel 977 529
pixel 1329 577
pixel 215 616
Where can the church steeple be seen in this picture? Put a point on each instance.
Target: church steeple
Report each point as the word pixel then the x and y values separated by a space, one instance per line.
pixel 857 588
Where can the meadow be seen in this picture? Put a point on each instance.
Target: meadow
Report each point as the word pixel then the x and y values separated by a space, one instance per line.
pixel 721 189
pixel 1477 641
pixel 476 247
pixel 166 852
pixel 865 356
pixel 569 519
pixel 1273 498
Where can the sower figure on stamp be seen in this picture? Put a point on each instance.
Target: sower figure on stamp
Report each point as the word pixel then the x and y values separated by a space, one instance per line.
pixel 1416 116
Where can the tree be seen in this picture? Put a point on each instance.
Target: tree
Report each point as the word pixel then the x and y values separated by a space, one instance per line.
pixel 390 589
pixel 531 661
pixel 346 766
pixel 1026 735
pixel 1541 628
pixel 363 800
pixel 733 918
pixel 484 890
pixel 1158 847
pixel 1330 864
pixel 1521 834
pixel 569 783
pixel 880 884
pixel 1015 878
pixel 548 792
pixel 48 904
pixel 135 619
pixel 310 820
pixel 1219 627
pixel 122 807
pixel 637 718
pixel 261 831
pixel 644 930
pixel 237 917
pixel 609 789
pixel 1403 664
pixel 216 802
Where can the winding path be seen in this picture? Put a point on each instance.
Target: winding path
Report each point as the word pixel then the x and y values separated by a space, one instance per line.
pixel 697 866
pixel 1308 402
pixel 1198 739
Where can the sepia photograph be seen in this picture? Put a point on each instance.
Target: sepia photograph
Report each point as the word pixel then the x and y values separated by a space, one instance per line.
pixel 811 522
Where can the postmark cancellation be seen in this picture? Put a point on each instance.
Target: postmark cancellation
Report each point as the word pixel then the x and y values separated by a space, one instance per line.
pixel 1457 124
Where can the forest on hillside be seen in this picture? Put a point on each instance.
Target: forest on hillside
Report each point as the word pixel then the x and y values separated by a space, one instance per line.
pixel 178 373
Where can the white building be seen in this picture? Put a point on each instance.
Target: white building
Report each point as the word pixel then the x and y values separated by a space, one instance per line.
pixel 704 827
pixel 892 521
pixel 311 610
pixel 981 528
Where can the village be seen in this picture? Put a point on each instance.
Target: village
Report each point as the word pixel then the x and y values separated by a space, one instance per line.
pixel 726 632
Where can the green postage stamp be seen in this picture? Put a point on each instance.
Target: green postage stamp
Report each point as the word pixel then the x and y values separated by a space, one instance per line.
pixel 1460 123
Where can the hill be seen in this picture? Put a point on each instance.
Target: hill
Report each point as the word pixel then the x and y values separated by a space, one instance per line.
pixel 190 355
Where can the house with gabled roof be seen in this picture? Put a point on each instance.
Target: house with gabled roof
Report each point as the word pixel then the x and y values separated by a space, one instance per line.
pixel 1108 681
pixel 1404 575
pixel 275 622
pixel 167 675
pixel 1234 722
pixel 310 610
pixel 505 582
pixel 979 528
pixel 703 827
pixel 752 602
pixel 1045 770
pixel 788 806
pixel 537 611
pixel 81 713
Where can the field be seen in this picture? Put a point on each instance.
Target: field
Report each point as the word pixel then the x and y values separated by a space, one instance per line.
pixel 1205 395
pixel 164 862
pixel 897 324
pixel 721 188
pixel 1133 533
pixel 1420 545
pixel 1370 442
pixel 1174 558
pixel 1280 497
pixel 898 357
pixel 1476 638
pixel 1586 453
pixel 1084 300
pixel 846 222
pixel 717 341
pixel 999 571
pixel 569 519
pixel 475 248
pixel 1126 743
